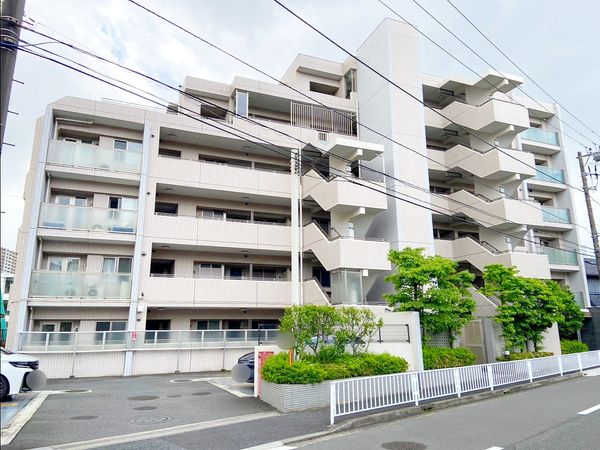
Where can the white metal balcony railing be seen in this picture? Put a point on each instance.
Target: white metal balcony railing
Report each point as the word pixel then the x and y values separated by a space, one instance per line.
pixel 46 283
pixel 87 218
pixel 356 395
pixel 322 119
pixel 35 341
pixel 93 156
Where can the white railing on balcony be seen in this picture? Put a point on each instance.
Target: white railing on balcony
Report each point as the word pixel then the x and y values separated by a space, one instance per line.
pixel 93 156
pixel 87 218
pixel 47 283
pixel 356 395
pixel 322 119
pixel 40 341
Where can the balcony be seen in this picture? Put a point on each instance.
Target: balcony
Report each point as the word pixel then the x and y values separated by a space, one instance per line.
pixel 342 196
pixel 493 164
pixel 558 257
pixel 548 180
pixel 480 255
pixel 229 233
pixel 346 252
pixel 92 161
pixel 540 141
pixel 556 215
pixel 203 175
pixel 322 119
pixel 82 222
pixel 80 285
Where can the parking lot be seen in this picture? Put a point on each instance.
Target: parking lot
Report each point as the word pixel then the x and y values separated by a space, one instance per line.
pixel 91 408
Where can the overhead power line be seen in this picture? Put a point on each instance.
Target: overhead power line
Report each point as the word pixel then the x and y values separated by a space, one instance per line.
pixel 520 69
pixel 419 201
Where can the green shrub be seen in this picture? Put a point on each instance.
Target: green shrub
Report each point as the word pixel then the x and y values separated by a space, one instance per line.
pixel 567 346
pixel 524 355
pixel 310 370
pixel 440 358
pixel 330 353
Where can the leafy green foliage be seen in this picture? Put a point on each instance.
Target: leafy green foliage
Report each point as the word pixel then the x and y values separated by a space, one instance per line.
pixel 432 286
pixel 524 355
pixel 529 306
pixel 356 327
pixel 441 358
pixel 310 325
pixel 568 346
pixel 310 370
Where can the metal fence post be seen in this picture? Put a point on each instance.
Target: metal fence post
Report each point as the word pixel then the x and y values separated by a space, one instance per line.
pixel 415 386
pixel 457 385
pixel 560 366
pixel 178 350
pixel 47 340
pixel 332 404
pixel 530 371
pixel 74 355
pixel 490 376
pixel 579 362
pixel 103 339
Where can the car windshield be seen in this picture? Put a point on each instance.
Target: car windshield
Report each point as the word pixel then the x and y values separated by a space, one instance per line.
pixel 5 352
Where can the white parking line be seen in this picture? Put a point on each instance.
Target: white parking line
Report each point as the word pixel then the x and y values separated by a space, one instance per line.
pixel 22 417
pixel 585 412
pixel 277 445
pixel 495 448
pixel 229 389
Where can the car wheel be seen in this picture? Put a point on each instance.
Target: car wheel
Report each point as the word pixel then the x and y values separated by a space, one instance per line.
pixel 3 387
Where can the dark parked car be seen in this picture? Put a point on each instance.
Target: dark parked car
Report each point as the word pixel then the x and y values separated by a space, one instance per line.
pixel 248 361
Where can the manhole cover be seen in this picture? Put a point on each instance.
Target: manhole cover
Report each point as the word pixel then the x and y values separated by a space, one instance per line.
pixel 145 408
pixel 83 417
pixel 403 445
pixel 173 396
pixel 75 391
pixel 181 381
pixel 151 420
pixel 143 397
pixel 201 393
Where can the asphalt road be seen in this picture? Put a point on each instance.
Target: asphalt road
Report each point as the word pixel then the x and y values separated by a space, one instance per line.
pixel 544 418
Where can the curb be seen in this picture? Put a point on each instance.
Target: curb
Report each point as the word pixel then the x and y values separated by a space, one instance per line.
pixel 404 412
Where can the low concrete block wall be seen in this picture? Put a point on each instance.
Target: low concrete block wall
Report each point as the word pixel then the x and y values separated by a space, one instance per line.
pixel 296 397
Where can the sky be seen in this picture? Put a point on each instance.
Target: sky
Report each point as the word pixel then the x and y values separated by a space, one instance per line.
pixel 555 41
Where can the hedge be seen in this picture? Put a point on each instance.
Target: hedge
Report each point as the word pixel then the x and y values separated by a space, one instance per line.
pixel 309 370
pixel 524 355
pixel 567 346
pixel 441 358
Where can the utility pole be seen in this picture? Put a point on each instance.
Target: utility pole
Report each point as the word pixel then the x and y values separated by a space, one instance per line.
pixel 588 201
pixel 11 12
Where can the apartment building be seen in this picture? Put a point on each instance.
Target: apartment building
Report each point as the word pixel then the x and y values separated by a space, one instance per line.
pixel 196 218
pixel 8 261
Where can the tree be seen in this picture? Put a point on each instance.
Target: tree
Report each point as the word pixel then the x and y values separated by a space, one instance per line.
pixel 310 325
pixel 432 286
pixel 529 306
pixel 356 327
pixel 571 318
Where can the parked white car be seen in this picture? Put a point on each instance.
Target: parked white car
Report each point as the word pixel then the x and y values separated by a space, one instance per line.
pixel 16 373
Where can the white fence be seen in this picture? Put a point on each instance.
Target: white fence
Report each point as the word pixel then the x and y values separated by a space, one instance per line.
pixel 355 395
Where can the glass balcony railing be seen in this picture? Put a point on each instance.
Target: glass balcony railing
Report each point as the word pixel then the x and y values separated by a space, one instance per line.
pixel 578 298
pixel 557 256
pixel 80 284
pixel 93 156
pixel 556 215
pixel 542 136
pixel 543 173
pixel 87 218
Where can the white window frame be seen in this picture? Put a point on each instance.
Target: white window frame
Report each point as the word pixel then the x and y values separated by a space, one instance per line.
pixel 117 260
pixel 64 263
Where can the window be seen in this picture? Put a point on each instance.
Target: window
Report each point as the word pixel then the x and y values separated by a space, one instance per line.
pixel 121 264
pixel 350 82
pixel 241 103
pixel 122 203
pixel 70 200
pixel 169 153
pixel 322 276
pixel 208 270
pixel 208 325
pixel 165 208
pixel 110 328
pixel 63 264
pixel 214 214
pixel 162 267
pixel 121 144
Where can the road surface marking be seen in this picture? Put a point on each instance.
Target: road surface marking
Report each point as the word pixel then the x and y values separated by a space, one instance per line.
pixel 585 412
pixel 495 448
pixel 229 389
pixel 7 404
pixel 161 432
pixel 188 380
pixel 592 373
pixel 21 418
pixel 277 445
